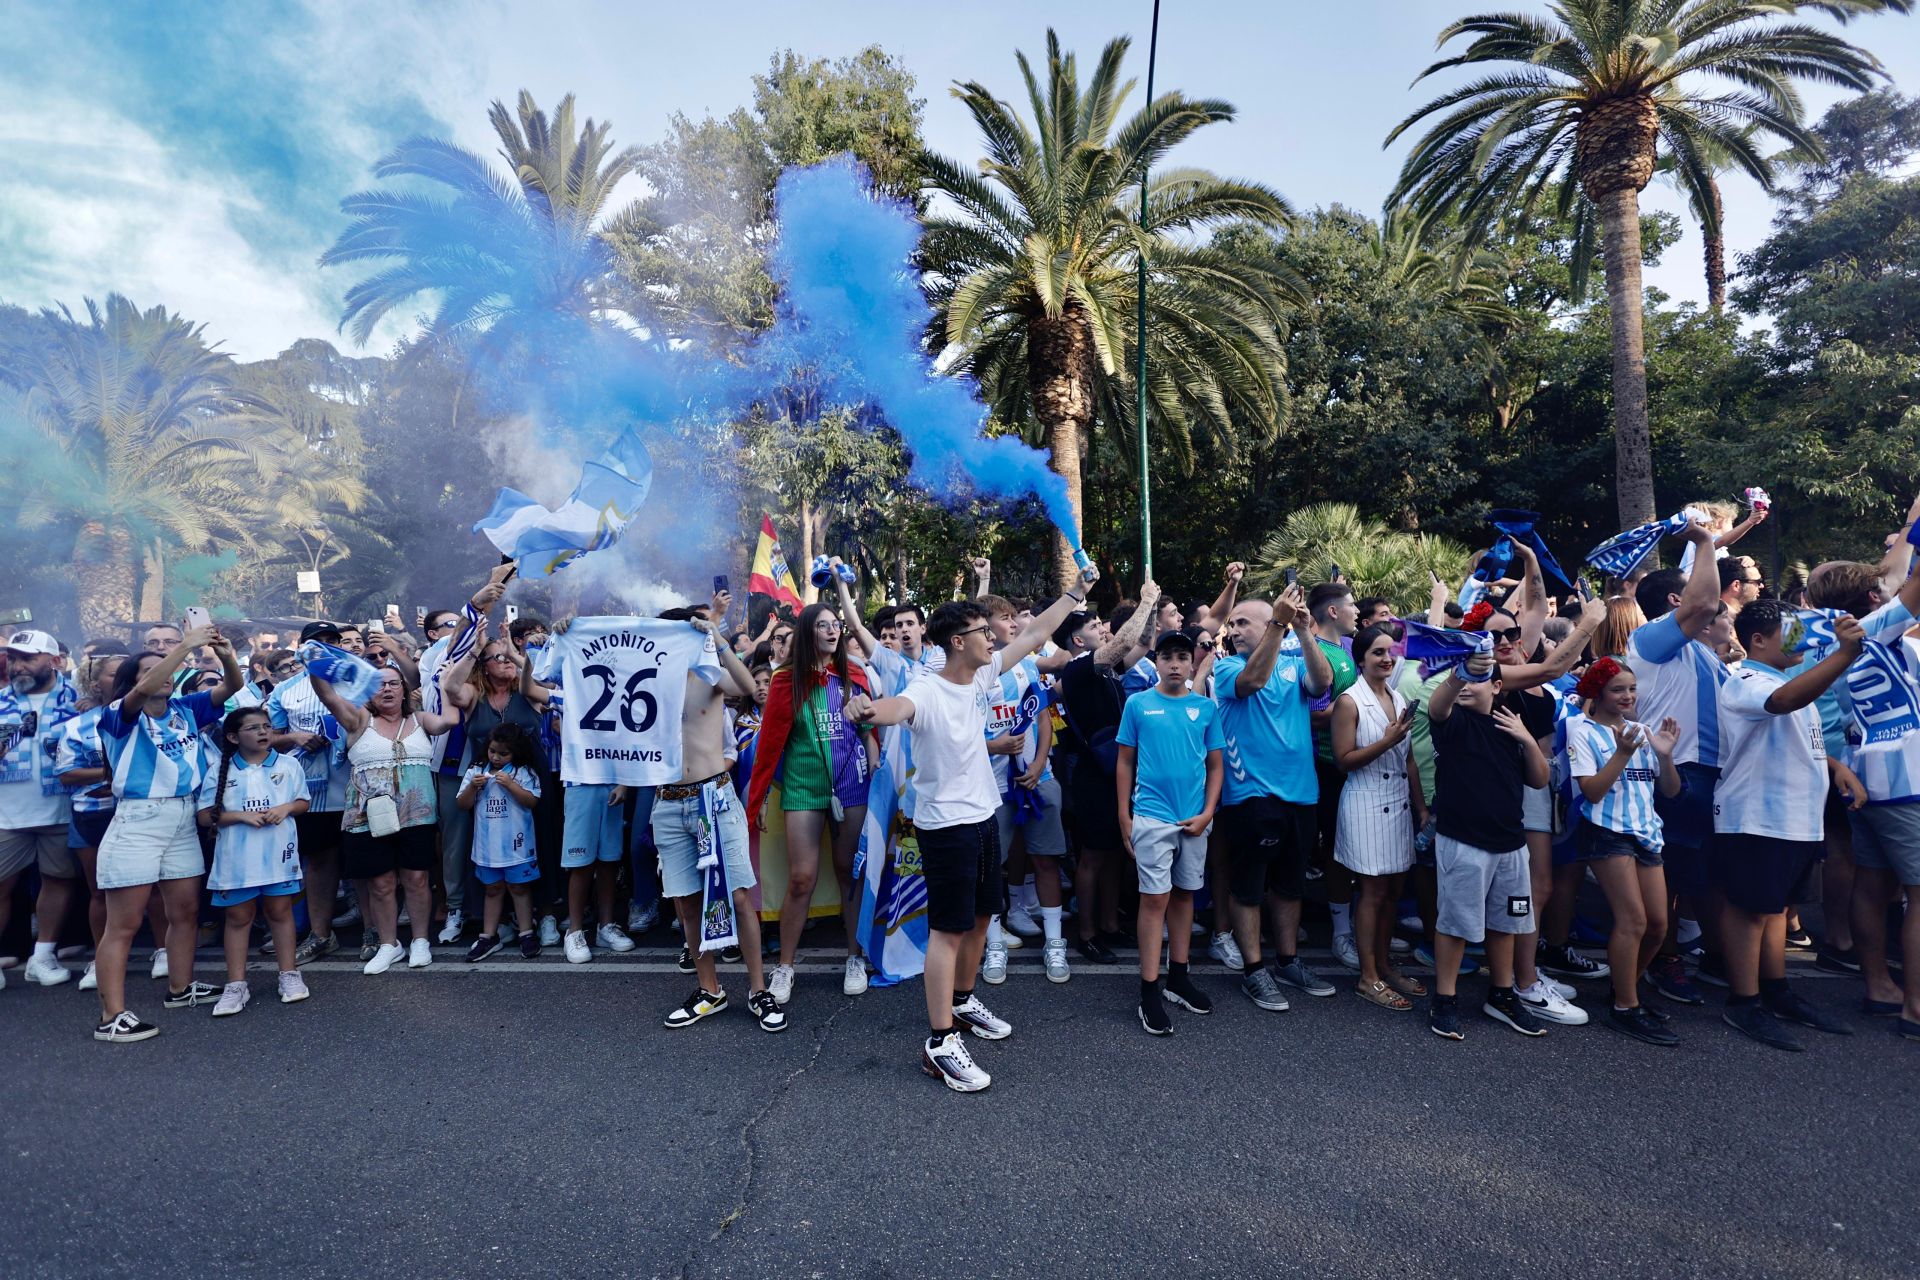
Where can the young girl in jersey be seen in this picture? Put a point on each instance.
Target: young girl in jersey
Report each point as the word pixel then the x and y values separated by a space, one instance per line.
pixel 502 794
pixel 1617 764
pixel 249 801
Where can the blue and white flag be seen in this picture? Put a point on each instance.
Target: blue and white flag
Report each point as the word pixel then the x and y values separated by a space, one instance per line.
pixel 1441 648
pixel 1811 631
pixel 1619 555
pixel 354 679
pixel 611 491
pixel 1519 525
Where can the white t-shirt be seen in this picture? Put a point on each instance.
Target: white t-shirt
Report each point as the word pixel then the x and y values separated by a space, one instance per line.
pixel 1773 768
pixel 625 682
pixel 252 857
pixel 27 773
pixel 953 776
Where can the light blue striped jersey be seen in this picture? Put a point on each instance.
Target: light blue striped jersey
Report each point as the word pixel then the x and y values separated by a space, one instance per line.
pixel 1628 807
pixel 1773 768
pixel 80 749
pixel 247 857
pixel 1681 678
pixel 155 759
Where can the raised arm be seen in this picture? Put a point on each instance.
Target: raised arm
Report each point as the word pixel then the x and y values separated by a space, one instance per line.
pixel 736 681
pixel 353 719
pixel 1119 649
pixel 982 576
pixel 1253 677
pixel 1741 530
pixel 158 680
pixel 1531 609
pixel 850 616
pixel 1043 625
pixel 1437 601
pixel 1803 689
pixel 1319 676
pixel 232 678
pixel 1229 594
pixel 456 688
pixel 1564 658
pixel 1700 602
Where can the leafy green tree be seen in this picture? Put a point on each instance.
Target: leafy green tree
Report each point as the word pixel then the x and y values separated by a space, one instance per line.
pixel 1575 112
pixel 1373 559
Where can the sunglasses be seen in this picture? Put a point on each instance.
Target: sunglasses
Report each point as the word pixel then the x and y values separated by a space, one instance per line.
pixel 1510 635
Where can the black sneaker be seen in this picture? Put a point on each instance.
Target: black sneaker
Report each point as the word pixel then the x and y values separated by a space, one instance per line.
pixel 1834 960
pixel 1641 1025
pixel 1647 1006
pixel 1789 1006
pixel 766 1011
pixel 686 960
pixel 529 943
pixel 1756 1023
pixel 1181 990
pixel 1505 1005
pixel 1096 951
pixel 485 945
pixel 196 993
pixel 1668 976
pixel 1153 1013
pixel 124 1028
pixel 701 1004
pixel 1712 970
pixel 1799 939
pixel 1443 1017
pixel 1565 962
pixel 730 955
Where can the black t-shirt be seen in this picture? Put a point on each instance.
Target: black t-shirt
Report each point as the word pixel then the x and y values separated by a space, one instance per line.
pixel 1535 709
pixel 1479 775
pixel 1090 696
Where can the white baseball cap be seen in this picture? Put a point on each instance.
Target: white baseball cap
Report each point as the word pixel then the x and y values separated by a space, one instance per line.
pixel 33 642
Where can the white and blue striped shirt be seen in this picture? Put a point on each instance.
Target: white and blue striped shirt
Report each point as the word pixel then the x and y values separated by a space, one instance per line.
pixel 1628 806
pixel 1680 678
pixel 1773 768
pixel 502 826
pixel 80 749
pixel 154 759
pixel 246 857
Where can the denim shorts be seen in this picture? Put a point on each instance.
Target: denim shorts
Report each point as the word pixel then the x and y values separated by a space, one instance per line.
pixel 519 873
pixel 1596 842
pixel 234 897
pixel 676 825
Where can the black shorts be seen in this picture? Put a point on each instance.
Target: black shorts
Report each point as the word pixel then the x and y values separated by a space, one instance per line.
pixel 88 826
pixel 363 857
pixel 1595 842
pixel 319 833
pixel 1093 798
pixel 1269 844
pixel 1327 811
pixel 962 869
pixel 1762 875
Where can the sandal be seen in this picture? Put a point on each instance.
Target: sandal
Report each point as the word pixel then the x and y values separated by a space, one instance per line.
pixel 1404 985
pixel 1378 992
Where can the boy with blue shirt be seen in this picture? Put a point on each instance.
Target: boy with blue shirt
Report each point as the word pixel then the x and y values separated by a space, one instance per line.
pixel 1269 792
pixel 1169 775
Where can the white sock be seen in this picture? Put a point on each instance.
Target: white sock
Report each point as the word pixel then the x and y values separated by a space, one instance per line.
pixel 1050 921
pixel 1029 897
pixel 1342 917
pixel 43 949
pixel 993 933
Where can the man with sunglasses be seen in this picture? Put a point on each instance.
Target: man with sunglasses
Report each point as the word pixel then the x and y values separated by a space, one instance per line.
pixel 958 796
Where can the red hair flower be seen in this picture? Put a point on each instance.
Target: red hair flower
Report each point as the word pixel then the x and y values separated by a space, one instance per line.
pixel 1476 619
pixel 1597 677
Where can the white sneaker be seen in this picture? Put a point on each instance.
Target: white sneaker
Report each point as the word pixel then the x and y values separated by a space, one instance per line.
pixel 419 955
pixel 1226 950
pixel 46 971
pixel 855 980
pixel 993 965
pixel 1346 952
pixel 614 938
pixel 549 931
pixel 948 1061
pixel 159 963
pixel 455 923
pixel 640 919
pixel 1398 946
pixel 89 981
pixel 578 952
pixel 507 932
pixel 1565 992
pixel 233 998
pixel 293 987
pixel 1547 1004
pixel 1020 921
pixel 1010 940
pixel 388 955
pixel 780 983
pixel 1055 957
pixel 982 1021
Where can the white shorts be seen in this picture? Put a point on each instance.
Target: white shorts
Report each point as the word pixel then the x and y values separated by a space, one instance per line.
pixel 1167 858
pixel 149 841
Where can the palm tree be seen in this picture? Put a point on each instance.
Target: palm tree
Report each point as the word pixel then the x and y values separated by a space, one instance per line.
pixel 1374 560
pixel 1034 282
pixel 505 256
pixel 1578 116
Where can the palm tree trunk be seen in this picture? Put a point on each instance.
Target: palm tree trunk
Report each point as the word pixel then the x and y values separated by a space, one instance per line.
pixel 1716 254
pixel 103 579
pixel 1060 371
pixel 1632 435
pixel 808 592
pixel 153 586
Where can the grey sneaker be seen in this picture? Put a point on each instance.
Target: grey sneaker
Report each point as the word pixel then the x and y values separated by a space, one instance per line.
pixel 1296 974
pixel 315 946
pixel 1261 988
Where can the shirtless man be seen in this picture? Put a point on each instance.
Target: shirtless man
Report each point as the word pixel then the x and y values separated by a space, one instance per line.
pixel 704 799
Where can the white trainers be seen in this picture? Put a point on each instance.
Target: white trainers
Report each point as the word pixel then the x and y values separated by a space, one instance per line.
pixel 1021 921
pixel 233 998
pixel 982 1021
pixel 854 981
pixel 451 933
pixel 1567 993
pixel 948 1061
pixel 1055 957
pixel 1226 950
pixel 613 938
pixel 1543 1001
pixel 780 982
pixel 159 970
pixel 419 955
pixel 1346 952
pixel 89 981
pixel 507 932
pixel 46 971
pixel 578 952
pixel 293 987
pixel 385 957
pixel 993 965
pixel 549 931
pixel 1398 946
pixel 640 919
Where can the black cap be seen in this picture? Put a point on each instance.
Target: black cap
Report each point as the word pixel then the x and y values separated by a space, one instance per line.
pixel 1173 642
pixel 316 630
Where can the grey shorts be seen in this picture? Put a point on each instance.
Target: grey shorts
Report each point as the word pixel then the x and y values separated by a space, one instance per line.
pixel 1167 857
pixel 46 846
pixel 1536 809
pixel 1044 835
pixel 676 834
pixel 1481 891
pixel 1886 837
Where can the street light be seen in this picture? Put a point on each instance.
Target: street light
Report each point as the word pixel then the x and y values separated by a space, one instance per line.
pixel 1140 334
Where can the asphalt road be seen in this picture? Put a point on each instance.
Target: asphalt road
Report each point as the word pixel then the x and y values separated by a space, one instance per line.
pixel 522 1119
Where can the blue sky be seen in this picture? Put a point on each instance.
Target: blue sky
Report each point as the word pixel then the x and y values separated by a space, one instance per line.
pixel 193 154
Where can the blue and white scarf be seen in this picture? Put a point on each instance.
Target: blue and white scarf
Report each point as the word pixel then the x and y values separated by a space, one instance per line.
pixel 718 929
pixel 62 706
pixel 1442 649
pixel 1519 526
pixel 1619 555
pixel 354 679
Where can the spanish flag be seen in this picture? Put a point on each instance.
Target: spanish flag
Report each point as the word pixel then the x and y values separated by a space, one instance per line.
pixel 771 576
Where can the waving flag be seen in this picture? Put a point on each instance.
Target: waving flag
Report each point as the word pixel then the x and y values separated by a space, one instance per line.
pixel 1441 649
pixel 610 493
pixel 1519 525
pixel 354 679
pixel 770 575
pixel 893 893
pixel 1618 555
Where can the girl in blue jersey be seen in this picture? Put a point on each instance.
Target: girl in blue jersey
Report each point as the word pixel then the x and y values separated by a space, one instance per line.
pixel 502 794
pixel 249 801
pixel 1618 765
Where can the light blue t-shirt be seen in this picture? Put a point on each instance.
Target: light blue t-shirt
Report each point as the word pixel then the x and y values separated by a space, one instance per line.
pixel 1268 738
pixel 1170 738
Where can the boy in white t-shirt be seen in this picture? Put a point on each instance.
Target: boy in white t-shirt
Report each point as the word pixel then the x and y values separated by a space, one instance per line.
pixel 1768 812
